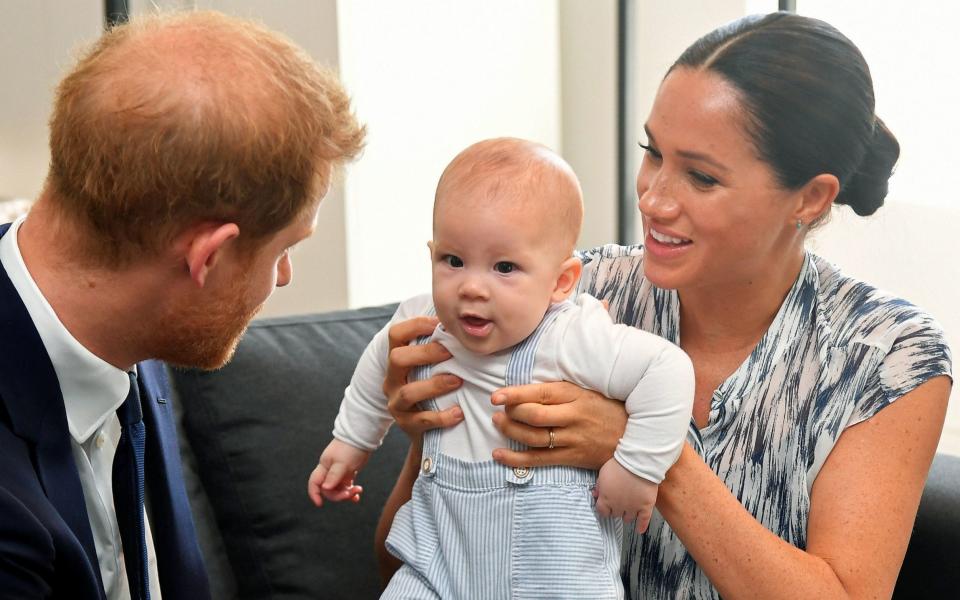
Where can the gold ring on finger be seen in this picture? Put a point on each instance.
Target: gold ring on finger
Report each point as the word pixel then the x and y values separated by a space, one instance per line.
pixel 553 439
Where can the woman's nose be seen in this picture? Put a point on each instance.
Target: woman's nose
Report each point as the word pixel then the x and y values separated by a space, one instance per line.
pixel 656 195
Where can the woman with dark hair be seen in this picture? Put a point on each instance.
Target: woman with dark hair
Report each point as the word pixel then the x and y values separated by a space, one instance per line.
pixel 819 399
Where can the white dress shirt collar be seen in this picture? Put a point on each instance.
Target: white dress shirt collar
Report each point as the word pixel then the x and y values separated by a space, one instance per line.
pixel 92 388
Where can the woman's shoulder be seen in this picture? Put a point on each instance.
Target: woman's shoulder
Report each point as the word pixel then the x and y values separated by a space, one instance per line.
pixel 854 311
pixel 611 252
pixel 611 260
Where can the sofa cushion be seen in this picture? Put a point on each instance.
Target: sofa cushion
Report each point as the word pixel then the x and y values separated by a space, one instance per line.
pixel 930 567
pixel 257 428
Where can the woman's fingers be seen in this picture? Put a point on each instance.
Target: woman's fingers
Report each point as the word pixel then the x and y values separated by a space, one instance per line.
pixel 559 392
pixel 406 397
pixel 404 332
pixel 417 421
pixel 535 436
pixel 403 398
pixel 536 457
pixel 586 426
pixel 404 358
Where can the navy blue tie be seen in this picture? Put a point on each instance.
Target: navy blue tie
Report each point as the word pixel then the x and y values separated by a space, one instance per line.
pixel 128 491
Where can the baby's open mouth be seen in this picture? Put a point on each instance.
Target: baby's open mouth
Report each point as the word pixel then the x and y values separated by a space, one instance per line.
pixel 476 326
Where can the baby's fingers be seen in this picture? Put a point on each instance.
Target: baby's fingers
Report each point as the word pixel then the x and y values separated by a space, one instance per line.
pixel 603 508
pixel 347 492
pixel 334 476
pixel 643 521
pixel 314 483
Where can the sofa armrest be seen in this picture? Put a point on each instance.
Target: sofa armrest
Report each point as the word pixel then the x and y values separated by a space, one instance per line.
pixel 256 428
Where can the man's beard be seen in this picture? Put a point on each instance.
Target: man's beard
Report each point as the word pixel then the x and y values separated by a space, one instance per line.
pixel 205 337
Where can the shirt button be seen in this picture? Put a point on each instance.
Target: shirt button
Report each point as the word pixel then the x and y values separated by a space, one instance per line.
pixel 521 472
pixel 427 463
pixel 100 440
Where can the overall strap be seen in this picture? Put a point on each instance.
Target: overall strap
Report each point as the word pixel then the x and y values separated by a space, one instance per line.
pixel 431 438
pixel 520 366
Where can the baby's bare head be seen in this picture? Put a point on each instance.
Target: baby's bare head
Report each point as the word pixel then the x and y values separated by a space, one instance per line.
pixel 519 179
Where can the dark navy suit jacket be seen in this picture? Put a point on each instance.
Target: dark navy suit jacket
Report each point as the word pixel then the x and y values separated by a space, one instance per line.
pixel 46 545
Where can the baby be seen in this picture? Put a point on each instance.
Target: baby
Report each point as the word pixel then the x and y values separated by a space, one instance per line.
pixel 506 216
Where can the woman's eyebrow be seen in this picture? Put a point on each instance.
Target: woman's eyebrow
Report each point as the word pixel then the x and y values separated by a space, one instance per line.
pixel 690 154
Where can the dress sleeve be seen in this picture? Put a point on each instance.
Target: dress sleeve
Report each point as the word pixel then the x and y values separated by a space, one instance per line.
pixel 364 420
pixel 918 353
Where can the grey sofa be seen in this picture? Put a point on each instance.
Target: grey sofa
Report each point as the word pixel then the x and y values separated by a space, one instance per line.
pixel 252 432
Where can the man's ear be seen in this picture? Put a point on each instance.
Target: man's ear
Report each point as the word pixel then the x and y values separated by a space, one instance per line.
pixel 567 280
pixel 816 197
pixel 205 245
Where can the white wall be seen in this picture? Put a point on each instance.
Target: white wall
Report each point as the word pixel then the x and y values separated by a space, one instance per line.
pixel 430 77
pixel 588 99
pixel 37 39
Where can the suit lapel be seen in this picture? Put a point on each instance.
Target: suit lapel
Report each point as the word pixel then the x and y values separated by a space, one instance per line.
pixel 30 391
pixel 180 563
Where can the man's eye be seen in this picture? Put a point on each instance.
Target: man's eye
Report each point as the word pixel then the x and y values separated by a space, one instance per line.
pixel 453 261
pixel 503 267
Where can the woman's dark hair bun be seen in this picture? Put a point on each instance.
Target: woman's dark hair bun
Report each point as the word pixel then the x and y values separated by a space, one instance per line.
pixel 867 186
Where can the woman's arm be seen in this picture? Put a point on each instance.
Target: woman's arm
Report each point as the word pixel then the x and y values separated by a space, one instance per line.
pixel 402 399
pixel 386 562
pixel 863 503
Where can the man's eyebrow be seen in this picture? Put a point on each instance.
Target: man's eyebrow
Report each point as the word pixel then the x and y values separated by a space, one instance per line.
pixel 690 154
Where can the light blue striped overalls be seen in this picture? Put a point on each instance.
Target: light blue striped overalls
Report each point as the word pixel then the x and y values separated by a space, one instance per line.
pixel 486 531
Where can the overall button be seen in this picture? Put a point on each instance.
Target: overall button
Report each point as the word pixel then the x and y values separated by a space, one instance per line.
pixel 427 463
pixel 521 472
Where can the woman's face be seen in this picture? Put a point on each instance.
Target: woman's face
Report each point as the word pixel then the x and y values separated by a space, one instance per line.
pixel 713 213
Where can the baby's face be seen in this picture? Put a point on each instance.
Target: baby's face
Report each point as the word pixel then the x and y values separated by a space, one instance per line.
pixel 495 267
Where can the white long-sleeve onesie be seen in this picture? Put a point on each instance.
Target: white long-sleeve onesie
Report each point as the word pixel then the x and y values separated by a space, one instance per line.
pixel 582 345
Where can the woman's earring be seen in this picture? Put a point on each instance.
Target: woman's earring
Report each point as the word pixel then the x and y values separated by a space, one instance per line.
pixel 799 224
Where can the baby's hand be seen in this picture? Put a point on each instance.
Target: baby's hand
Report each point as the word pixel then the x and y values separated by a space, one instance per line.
pixel 622 494
pixel 333 477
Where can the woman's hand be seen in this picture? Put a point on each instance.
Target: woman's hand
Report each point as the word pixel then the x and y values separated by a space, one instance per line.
pixel 402 397
pixel 585 425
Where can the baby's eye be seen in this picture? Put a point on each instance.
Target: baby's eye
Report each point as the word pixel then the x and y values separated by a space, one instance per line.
pixel 453 261
pixel 503 267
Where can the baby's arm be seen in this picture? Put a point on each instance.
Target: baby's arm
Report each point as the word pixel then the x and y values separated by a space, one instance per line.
pixel 655 379
pixel 622 494
pixel 333 476
pixel 363 419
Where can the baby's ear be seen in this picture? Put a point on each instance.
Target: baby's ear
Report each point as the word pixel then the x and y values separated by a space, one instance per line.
pixel 430 247
pixel 567 280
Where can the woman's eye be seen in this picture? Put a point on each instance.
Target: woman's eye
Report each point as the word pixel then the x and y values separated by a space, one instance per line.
pixel 453 261
pixel 503 267
pixel 702 180
pixel 651 151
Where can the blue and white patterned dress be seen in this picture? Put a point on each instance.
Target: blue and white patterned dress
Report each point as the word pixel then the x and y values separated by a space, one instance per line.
pixel 837 352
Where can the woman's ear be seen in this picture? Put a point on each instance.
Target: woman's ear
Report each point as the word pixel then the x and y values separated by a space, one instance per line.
pixel 205 245
pixel 567 280
pixel 816 197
